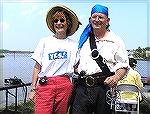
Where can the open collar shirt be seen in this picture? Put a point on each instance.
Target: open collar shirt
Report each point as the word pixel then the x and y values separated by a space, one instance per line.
pixel 111 48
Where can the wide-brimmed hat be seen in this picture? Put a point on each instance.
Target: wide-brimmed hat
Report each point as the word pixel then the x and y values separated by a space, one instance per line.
pixel 72 16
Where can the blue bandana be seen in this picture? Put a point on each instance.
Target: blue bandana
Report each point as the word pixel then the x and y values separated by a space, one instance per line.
pixel 99 9
pixel 96 9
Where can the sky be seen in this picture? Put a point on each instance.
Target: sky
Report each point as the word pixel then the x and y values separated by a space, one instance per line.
pixel 22 22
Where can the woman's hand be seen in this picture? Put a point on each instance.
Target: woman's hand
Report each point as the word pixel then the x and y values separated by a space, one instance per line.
pixel 32 95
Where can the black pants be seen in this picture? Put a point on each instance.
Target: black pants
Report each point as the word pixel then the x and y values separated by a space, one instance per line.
pixel 89 100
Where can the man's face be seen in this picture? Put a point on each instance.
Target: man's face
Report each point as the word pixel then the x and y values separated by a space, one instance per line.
pixel 99 20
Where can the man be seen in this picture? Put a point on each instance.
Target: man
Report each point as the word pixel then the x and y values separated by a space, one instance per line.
pixel 96 72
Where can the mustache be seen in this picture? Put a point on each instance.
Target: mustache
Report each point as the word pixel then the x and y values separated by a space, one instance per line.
pixel 103 24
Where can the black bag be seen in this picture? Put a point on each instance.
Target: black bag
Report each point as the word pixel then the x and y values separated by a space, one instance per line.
pixel 13 81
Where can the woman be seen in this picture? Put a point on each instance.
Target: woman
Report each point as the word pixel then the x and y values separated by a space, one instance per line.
pixel 133 77
pixel 55 57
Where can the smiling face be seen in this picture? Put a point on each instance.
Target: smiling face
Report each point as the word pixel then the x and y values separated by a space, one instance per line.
pixel 60 22
pixel 99 21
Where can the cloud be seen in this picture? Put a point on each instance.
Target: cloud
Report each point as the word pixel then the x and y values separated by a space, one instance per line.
pixel 26 0
pixel 19 0
pixel 82 17
pixel 29 11
pixel 4 26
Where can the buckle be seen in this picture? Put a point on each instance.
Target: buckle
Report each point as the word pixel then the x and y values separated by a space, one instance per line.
pixel 90 81
pixel 94 54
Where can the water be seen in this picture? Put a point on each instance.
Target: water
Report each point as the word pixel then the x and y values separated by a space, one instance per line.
pixel 143 67
pixel 21 65
pixel 18 65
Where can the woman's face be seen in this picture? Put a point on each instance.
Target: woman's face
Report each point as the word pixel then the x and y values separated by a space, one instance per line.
pixel 60 22
pixel 99 20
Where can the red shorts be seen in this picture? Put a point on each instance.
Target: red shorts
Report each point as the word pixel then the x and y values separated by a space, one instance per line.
pixel 53 97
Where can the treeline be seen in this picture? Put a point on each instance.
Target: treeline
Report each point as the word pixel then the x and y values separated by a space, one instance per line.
pixel 9 51
pixel 141 53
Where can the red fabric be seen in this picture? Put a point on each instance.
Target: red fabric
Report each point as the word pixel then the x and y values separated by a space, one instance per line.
pixel 53 97
pixel 148 79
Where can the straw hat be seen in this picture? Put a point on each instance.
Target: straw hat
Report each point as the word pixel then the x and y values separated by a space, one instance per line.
pixel 71 14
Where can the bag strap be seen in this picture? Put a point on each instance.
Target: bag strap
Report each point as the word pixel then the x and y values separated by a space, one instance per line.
pixel 97 57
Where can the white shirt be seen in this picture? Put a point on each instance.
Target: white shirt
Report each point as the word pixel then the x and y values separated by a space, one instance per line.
pixel 111 48
pixel 56 56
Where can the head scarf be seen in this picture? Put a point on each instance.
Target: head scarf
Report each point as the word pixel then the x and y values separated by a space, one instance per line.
pixel 96 9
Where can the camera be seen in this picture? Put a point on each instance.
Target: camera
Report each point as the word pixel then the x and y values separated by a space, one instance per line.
pixel 13 81
pixel 43 80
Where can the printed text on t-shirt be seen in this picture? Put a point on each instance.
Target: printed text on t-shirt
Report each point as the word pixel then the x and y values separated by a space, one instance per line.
pixel 57 55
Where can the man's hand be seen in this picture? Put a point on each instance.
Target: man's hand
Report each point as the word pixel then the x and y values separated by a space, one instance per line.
pixel 111 81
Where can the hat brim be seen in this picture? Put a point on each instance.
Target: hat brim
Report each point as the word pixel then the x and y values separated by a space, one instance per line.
pixel 71 14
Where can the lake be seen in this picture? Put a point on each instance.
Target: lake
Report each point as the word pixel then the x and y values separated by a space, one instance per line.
pixel 21 66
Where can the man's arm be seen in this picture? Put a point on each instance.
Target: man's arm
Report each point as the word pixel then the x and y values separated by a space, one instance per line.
pixel 113 80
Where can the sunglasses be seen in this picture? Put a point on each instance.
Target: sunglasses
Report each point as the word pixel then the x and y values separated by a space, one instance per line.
pixel 61 20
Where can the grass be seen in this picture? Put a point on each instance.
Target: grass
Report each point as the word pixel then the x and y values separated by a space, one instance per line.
pixel 23 108
pixel 145 106
pixel 28 107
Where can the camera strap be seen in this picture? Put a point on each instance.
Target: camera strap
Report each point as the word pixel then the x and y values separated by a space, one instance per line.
pixel 97 57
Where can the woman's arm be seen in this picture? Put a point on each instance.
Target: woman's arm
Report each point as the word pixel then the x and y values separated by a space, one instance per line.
pixel 36 70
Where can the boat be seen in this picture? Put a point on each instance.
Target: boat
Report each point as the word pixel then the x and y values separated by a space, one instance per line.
pixel 2 55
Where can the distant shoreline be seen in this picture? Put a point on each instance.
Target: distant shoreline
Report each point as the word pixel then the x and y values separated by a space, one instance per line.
pixel 4 53
pixel 8 51
pixel 141 59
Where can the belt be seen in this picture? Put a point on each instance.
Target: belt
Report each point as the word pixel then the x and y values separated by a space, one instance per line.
pixel 93 80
